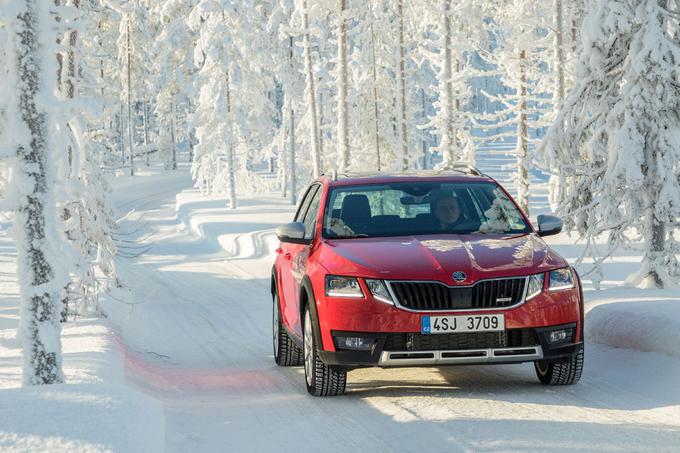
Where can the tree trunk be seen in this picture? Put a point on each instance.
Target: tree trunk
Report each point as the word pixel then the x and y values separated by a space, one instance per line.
pixel 311 95
pixel 558 181
pixel 231 171
pixel 574 9
pixel 559 56
pixel 173 156
pixel 121 133
pixel 291 160
pixel 423 141
pixel 292 178
pixel 401 80
pixel 343 118
pixel 129 99
pixel 445 79
pixel 146 132
pixel 522 139
pixel 283 162
pixel 321 124
pixel 655 241
pixel 376 125
pixel 40 330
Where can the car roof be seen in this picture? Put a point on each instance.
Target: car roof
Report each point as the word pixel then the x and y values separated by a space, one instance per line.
pixel 382 178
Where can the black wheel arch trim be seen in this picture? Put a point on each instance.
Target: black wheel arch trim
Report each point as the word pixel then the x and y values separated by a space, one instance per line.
pixel 274 288
pixel 274 281
pixel 582 305
pixel 306 286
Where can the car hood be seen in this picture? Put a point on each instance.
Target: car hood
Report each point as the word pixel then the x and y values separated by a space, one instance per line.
pixel 479 256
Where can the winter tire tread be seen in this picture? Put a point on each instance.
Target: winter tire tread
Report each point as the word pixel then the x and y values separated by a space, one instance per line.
pixel 326 380
pixel 289 354
pixel 562 373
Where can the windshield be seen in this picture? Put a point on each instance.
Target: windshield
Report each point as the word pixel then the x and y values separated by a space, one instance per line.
pixel 403 209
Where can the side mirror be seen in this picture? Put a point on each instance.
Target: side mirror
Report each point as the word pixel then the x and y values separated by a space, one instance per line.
pixel 293 233
pixel 549 225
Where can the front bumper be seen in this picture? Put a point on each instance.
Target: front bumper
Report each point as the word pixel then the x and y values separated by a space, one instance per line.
pixel 370 315
pixel 528 346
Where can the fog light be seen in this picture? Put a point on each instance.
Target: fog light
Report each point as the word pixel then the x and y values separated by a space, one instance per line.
pixel 356 343
pixel 560 336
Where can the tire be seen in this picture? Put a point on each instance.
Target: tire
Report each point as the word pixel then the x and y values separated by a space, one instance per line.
pixel 321 379
pixel 567 372
pixel 286 352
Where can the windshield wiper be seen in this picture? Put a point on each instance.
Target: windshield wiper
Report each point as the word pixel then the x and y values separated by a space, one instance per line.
pixel 350 236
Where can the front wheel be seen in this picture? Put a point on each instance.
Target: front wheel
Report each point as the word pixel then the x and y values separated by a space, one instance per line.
pixel 561 373
pixel 286 353
pixel 321 379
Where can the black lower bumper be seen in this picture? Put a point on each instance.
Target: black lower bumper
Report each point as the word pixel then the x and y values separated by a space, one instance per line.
pixel 427 352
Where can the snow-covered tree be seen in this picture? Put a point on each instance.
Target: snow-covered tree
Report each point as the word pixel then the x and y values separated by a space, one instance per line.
pixel 566 22
pixel 174 49
pixel 457 23
pixel 228 126
pixel 28 25
pixel 621 134
pixel 373 88
pixel 284 26
pixel 310 92
pixel 81 198
pixel 521 57
pixel 342 88
pixel 102 83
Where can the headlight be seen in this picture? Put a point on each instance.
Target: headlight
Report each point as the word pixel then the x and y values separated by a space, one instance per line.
pixel 379 290
pixel 535 285
pixel 561 279
pixel 343 287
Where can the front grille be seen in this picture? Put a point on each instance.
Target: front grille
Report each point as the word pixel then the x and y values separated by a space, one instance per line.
pixel 512 338
pixel 438 296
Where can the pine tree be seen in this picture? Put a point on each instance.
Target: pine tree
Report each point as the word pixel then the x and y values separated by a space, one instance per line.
pixel 310 91
pixel 174 52
pixel 342 89
pixel 233 113
pixel 35 216
pixel 620 139
pixel 450 55
pixel 86 217
pixel 521 56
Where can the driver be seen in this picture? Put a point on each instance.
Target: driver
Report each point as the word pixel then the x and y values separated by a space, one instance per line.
pixel 447 211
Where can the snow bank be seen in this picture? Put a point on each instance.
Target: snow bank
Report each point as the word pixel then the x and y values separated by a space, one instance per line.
pixel 79 417
pixel 95 410
pixel 637 319
pixel 620 315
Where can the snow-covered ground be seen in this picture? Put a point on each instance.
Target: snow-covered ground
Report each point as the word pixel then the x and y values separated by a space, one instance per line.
pixel 194 329
pixel 96 410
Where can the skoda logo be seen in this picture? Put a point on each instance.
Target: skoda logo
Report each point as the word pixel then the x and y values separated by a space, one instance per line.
pixel 459 276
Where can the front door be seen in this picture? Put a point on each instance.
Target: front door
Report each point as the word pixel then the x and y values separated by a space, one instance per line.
pixel 290 267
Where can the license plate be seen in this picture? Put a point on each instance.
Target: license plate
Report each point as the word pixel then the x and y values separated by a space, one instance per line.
pixel 430 325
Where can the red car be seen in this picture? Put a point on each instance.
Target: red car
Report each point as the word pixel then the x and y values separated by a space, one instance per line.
pixel 421 270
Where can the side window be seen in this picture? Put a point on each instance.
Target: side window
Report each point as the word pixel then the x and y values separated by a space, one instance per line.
pixel 304 204
pixel 312 214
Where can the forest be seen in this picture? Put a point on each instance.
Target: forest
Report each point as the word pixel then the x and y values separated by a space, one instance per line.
pixel 263 96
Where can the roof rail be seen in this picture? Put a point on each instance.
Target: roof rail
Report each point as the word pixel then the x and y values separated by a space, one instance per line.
pixel 331 173
pixel 464 168
pixel 334 175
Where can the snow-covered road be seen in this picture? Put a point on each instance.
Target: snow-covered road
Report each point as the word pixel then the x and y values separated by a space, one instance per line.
pixel 197 334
